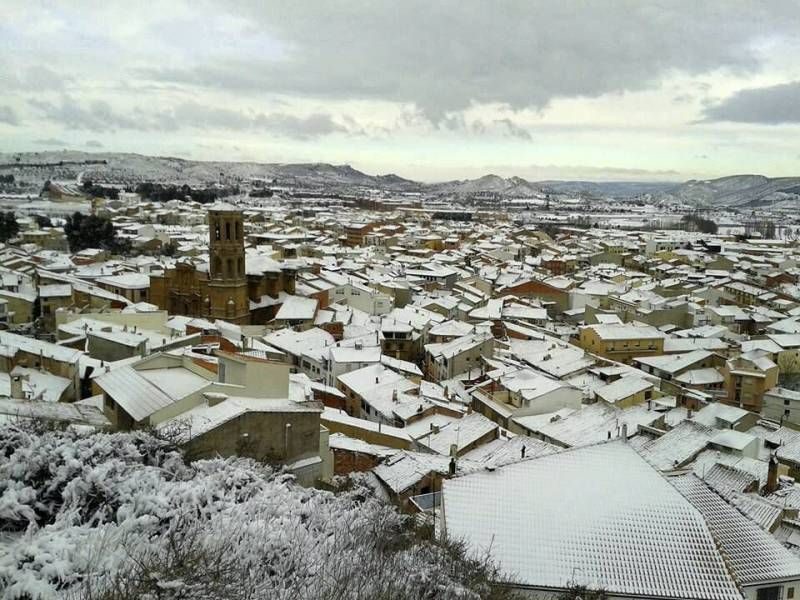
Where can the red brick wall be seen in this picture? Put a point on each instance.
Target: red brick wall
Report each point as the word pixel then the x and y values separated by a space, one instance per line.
pixel 345 461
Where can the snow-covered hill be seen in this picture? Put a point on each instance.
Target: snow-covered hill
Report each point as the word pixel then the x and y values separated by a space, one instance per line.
pixel 492 184
pixel 745 191
pixel 131 168
pixel 736 191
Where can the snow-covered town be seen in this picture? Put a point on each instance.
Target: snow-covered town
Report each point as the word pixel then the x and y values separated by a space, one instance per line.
pixel 616 407
pixel 440 300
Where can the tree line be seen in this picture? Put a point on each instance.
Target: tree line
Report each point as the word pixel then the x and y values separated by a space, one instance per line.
pixel 694 222
pixel 162 193
pixel 99 191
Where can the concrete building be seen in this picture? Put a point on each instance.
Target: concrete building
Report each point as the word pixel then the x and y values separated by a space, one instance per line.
pixel 782 405
pixel 621 343
pixel 248 407
pixel 747 379
pixel 445 361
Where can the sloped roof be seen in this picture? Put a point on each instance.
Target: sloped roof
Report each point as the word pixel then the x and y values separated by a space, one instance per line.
pixel 753 555
pixel 673 363
pixel 204 418
pixel 405 469
pixel 623 388
pixel 136 395
pixel 598 516
pixel 461 433
pixel 678 446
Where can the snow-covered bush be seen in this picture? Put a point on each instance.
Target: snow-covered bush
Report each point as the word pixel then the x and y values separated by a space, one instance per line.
pixel 121 516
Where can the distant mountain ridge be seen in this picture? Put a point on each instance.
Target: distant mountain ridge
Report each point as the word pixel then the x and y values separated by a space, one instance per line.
pixel 732 191
pixel 493 184
pixel 138 167
pixel 736 191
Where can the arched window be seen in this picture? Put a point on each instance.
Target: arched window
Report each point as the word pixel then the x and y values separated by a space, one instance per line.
pixel 216 230
pixel 230 268
pixel 227 230
pixel 217 267
pixel 238 230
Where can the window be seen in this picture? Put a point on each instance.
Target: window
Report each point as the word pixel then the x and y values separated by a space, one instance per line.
pixel 238 230
pixel 216 231
pixel 790 593
pixel 786 413
pixel 227 230
pixel 769 593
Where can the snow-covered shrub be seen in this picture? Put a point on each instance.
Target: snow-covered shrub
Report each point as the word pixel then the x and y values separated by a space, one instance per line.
pixel 120 516
pixel 50 473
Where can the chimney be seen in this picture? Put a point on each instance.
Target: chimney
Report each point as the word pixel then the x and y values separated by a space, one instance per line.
pixel 625 432
pixel 452 467
pixel 772 474
pixel 453 451
pixel 522 452
pixel 434 428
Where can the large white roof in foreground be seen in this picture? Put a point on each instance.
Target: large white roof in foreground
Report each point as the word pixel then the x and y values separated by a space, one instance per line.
pixel 598 515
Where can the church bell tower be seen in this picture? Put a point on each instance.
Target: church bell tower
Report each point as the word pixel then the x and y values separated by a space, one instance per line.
pixel 227 281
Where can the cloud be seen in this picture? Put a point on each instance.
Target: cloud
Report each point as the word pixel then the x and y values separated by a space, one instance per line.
pixel 514 130
pixel 506 127
pixel 446 55
pixel 99 116
pixel 774 105
pixel 34 77
pixel 208 117
pixel 50 142
pixel 8 115
pixel 93 144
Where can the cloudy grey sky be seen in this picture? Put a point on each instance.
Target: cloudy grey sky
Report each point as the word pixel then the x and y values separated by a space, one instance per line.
pixel 429 89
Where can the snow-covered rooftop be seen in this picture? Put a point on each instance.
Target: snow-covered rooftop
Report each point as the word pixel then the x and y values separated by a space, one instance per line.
pixel 600 516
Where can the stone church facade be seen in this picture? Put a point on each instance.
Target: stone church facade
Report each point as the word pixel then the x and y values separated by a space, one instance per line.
pixel 224 290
